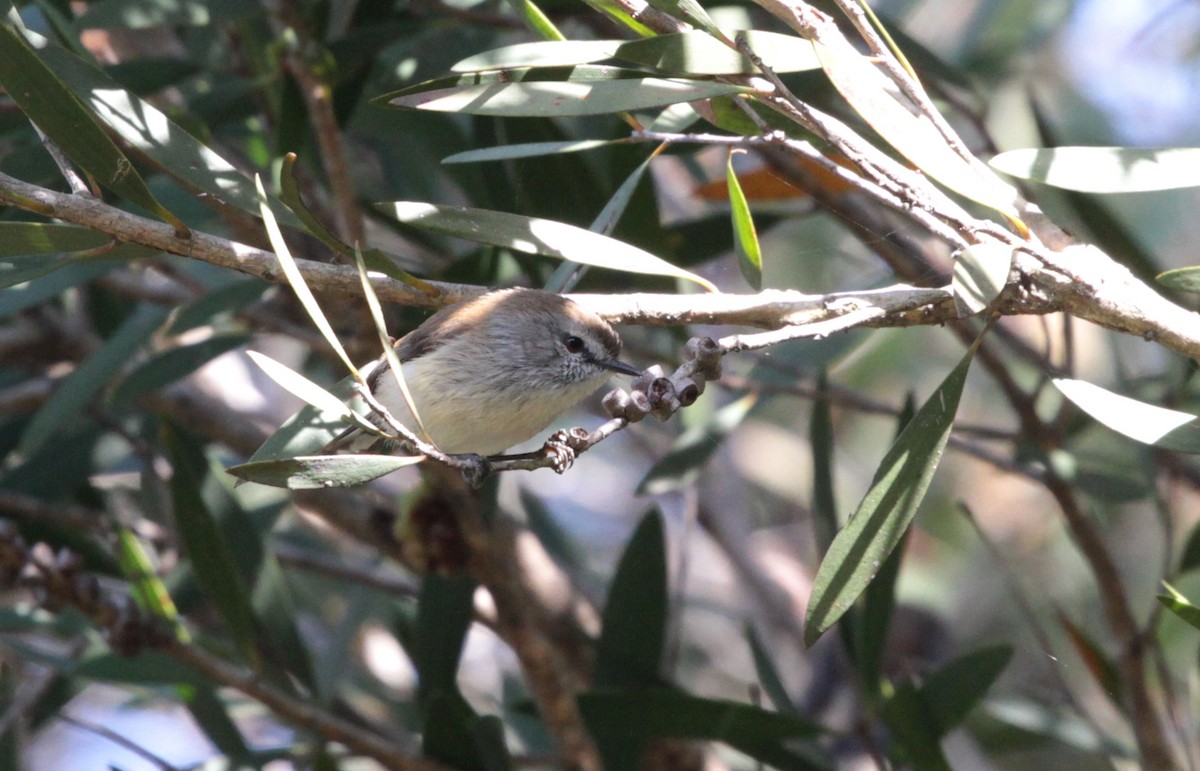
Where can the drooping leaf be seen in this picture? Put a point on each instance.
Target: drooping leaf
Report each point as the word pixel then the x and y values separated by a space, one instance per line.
pixel 553 91
pixel 299 386
pixel 48 102
pixel 820 437
pixel 1158 426
pixel 887 509
pixel 313 472
pixel 634 629
pixel 749 251
pixel 213 563
pixel 536 236
pixel 980 273
pixel 1104 169
pixel 693 13
pixel 296 280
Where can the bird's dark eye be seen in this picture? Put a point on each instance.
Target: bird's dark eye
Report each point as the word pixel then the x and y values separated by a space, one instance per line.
pixel 573 344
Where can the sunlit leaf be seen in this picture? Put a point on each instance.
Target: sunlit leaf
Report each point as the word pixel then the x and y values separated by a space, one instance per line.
pixel 914 135
pixel 553 91
pixel 536 236
pixel 1161 427
pixel 887 509
pixel 684 53
pixel 1104 169
pixel 1179 605
pixel 298 385
pixel 47 101
pixel 749 251
pixel 296 280
pixel 980 273
pixel 526 150
pixel 314 472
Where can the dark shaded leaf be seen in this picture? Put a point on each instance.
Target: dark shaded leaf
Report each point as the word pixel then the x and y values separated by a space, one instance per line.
pixel 634 629
pixel 690 453
pixel 889 506
pixel 314 472
pixel 171 365
pixel 73 394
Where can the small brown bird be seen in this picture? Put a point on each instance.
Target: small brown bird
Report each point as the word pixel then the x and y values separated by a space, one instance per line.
pixel 491 372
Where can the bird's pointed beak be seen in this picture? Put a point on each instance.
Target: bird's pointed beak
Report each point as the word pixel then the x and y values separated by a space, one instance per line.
pixel 616 365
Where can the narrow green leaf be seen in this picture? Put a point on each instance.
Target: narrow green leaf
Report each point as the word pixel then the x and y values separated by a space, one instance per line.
pixel 213 563
pixel 22 238
pixel 17 298
pixel 887 509
pixel 446 737
pixel 980 273
pixel 149 592
pixel 51 105
pixel 691 451
pixel 872 95
pixel 536 236
pixel 314 472
pixel 908 718
pixel 146 668
pixel 171 365
pixel 684 53
pixel 1104 169
pixel 634 629
pixel 768 675
pixel 65 405
pixel 554 91
pixel 1158 426
pixel 308 430
pixel 275 610
pixel 636 716
pixel 1183 279
pixel 299 386
pixel 445 610
pixel 527 150
pixel 145 127
pixel 698 53
pixel 958 686
pixel 536 19
pixel 542 53
pixel 749 252
pixel 292 273
pixel 820 437
pixel 869 631
pixel 24 268
pixel 1179 605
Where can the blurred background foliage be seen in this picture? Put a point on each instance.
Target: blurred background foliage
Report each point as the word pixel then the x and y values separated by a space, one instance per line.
pixel 679 553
